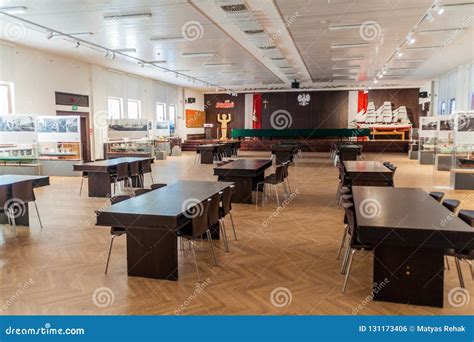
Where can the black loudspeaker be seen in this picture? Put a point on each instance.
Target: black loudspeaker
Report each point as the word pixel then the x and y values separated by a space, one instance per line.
pixel 191 100
pixel 295 85
pixel 423 94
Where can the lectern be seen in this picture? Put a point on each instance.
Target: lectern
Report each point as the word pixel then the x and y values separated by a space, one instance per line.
pixel 208 130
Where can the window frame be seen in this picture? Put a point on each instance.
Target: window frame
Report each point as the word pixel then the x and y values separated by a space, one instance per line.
pixel 120 100
pixel 163 105
pixel 10 99
pixel 139 108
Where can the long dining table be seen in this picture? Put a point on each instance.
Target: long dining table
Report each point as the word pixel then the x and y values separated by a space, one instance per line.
pixel 99 173
pixel 410 232
pixel 367 172
pixel 151 221
pixel 8 181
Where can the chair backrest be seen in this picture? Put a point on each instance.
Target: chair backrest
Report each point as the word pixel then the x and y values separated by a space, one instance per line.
pixel 200 222
pixel 349 211
pixel 134 168
pixel 118 199
pixel 23 191
pixel 122 170
pixel 226 200
pixel 214 209
pixel 145 166
pixel 3 196
pixel 139 192
pixel 285 169
pixel 279 173
pixel 157 186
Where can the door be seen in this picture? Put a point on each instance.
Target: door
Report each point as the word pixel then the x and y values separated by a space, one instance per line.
pixel 85 128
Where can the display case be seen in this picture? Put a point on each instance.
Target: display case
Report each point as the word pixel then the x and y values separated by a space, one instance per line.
pixel 18 153
pixel 414 144
pixel 60 151
pixel 427 140
pixel 129 148
pixel 462 170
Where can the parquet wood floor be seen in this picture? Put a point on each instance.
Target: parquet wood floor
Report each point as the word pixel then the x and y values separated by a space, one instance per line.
pixel 58 269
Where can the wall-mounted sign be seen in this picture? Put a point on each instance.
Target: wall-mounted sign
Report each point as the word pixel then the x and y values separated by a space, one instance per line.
pixel 303 99
pixel 225 105
pixel 195 118
pixel 128 128
pixel 18 129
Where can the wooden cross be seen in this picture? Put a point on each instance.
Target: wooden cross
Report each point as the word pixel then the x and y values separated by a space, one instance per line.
pixel 265 102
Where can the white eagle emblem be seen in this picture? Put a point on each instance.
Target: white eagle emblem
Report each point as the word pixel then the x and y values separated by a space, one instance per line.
pixel 303 99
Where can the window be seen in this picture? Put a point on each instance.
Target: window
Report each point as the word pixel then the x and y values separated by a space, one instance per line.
pixel 442 108
pixel 172 117
pixel 115 108
pixel 452 106
pixel 6 98
pixel 160 111
pixel 134 109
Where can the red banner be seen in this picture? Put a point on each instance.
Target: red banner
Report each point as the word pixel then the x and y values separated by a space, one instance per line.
pixel 363 99
pixel 257 111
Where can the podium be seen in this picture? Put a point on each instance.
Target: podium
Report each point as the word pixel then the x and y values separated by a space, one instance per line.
pixel 208 131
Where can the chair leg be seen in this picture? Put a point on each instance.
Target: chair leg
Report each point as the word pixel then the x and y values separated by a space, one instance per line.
pixel 346 278
pixel 209 238
pixel 195 259
pixel 11 218
pixel 276 194
pixel 37 212
pixel 80 190
pixel 110 251
pixel 345 259
pixel 233 227
pixel 181 244
pixel 447 262
pixel 224 235
pixel 470 267
pixel 458 268
pixel 151 175
pixel 343 242
pixel 288 183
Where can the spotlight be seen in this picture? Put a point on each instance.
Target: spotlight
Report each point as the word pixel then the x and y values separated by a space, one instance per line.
pixel 400 54
pixel 439 9
pixel 78 44
pixel 429 17
pixel 375 81
pixel 410 38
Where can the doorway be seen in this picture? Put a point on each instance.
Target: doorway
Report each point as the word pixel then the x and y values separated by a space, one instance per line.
pixel 85 128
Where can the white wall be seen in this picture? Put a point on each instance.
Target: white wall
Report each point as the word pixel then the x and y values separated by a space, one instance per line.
pixel 37 75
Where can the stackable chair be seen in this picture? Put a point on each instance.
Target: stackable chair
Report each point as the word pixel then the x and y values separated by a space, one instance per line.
pixel 157 186
pixel 437 195
pixel 139 192
pixel 7 210
pixel 24 191
pixel 120 175
pixel 451 204
pixel 215 217
pixel 274 180
pixel 145 167
pixel 226 207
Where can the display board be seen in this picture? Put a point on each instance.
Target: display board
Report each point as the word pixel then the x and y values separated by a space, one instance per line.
pixel 59 129
pixel 429 125
pixel 161 129
pixel 128 129
pixel 18 129
pixel 195 118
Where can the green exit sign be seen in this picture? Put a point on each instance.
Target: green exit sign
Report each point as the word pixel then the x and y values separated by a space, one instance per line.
pixel 74 107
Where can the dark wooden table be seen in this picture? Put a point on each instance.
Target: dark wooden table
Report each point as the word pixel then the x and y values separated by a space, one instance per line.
pixel 208 151
pixel 245 173
pixel 372 173
pixel 349 152
pixel 284 152
pixel 7 181
pixel 410 231
pixel 230 148
pixel 151 220
pixel 99 173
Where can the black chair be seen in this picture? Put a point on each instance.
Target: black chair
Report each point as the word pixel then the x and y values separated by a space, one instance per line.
pixel 451 204
pixel 25 193
pixel 134 172
pixel 272 180
pixel 157 186
pixel 215 217
pixel 145 167
pixel 354 244
pixel 285 175
pixel 437 195
pixel 84 175
pixel 226 207
pixel 7 207
pixel 139 192
pixel 197 158
pixel 115 231
pixel 463 255
pixel 344 183
pixel 120 175
pixel 196 228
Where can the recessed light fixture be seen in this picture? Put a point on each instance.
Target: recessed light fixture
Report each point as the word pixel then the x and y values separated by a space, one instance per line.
pixel 13 9
pixel 74 34
pixel 146 15
pixel 425 47
pixel 168 39
pixel 345 67
pixel 277 58
pixel 339 74
pixel 352 45
pixel 215 65
pixel 125 50
pixel 344 27
pixel 347 58
pixel 157 62
pixel 413 59
pixel 197 54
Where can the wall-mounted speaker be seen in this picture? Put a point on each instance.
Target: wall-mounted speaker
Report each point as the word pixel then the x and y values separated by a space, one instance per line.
pixel 191 100
pixel 423 94
pixel 295 85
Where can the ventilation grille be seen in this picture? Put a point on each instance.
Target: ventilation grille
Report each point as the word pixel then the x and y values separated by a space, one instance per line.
pixel 236 8
pixel 252 32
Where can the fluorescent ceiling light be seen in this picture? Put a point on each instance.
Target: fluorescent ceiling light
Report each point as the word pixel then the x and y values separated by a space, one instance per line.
pixel 157 62
pixel 126 50
pixel 412 60
pixel 344 74
pixel 268 47
pixel 344 27
pixel 345 67
pixel 277 58
pixel 168 39
pixel 146 15
pixel 13 9
pixel 213 65
pixel 403 68
pixel 410 39
pixel 197 54
pixel 425 47
pixel 183 70
pixel 438 30
pixel 348 58
pixel 74 34
pixel 285 67
pixel 344 46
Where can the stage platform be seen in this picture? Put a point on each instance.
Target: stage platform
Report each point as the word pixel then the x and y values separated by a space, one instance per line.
pixel 310 145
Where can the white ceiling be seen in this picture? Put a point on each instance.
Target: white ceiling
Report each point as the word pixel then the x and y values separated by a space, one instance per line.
pixel 296 33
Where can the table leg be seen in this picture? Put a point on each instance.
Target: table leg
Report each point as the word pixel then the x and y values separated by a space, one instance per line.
pixel 99 184
pixel 243 189
pixel 152 253
pixel 409 275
